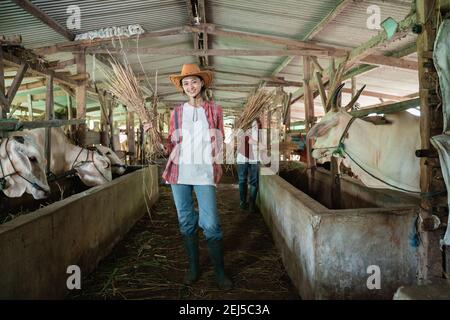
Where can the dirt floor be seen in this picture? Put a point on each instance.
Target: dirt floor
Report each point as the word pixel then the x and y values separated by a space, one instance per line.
pixel 149 263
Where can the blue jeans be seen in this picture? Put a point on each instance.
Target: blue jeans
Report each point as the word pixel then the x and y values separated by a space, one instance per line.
pixel 188 218
pixel 248 172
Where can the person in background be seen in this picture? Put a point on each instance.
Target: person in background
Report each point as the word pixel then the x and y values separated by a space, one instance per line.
pixel 194 142
pixel 247 165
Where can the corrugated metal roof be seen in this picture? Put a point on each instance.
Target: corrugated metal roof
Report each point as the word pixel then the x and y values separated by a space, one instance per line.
pixel 151 14
pixel 288 18
pixel 350 28
pixel 285 18
pixel 14 21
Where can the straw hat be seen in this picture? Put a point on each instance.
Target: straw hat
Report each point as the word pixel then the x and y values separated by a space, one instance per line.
pixel 191 69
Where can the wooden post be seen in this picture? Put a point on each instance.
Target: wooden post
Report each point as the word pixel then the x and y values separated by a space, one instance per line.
pixel 335 177
pixel 111 123
pixel 431 123
pixel 80 92
pixel 104 127
pixel 30 107
pixel 309 108
pixel 3 101
pixel 48 116
pixel 269 131
pixel 309 118
pixel 131 137
pixel 72 128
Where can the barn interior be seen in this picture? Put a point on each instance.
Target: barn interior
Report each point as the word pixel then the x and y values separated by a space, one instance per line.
pixel 319 231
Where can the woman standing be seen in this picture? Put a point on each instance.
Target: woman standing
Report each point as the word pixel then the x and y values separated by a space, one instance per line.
pixel 194 142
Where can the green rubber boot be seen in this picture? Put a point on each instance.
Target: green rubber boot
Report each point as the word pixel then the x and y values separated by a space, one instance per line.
pixel 252 203
pixel 215 249
pixel 243 204
pixel 191 246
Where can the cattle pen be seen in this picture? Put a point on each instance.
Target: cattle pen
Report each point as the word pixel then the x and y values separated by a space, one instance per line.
pixel 344 104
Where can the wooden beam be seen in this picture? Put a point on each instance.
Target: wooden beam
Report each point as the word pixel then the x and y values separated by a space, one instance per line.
pixel 131 137
pixel 380 60
pixel 45 18
pixel 49 115
pixel 3 101
pixel 203 42
pixel 196 13
pixel 80 92
pixel 15 124
pixel 15 40
pixel 49 110
pixel 309 108
pixel 17 81
pixel 368 48
pixel 110 105
pixel 20 98
pixel 36 68
pixel 388 108
pixel 202 28
pixel 63 64
pixel 32 85
pixel 218 52
pixel 431 124
pixel 376 94
pixel 322 92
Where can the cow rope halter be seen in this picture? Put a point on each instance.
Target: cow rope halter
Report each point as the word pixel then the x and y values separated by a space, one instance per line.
pixel 3 182
pixel 79 164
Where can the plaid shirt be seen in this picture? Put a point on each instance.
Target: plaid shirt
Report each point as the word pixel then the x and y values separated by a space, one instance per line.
pixel 215 121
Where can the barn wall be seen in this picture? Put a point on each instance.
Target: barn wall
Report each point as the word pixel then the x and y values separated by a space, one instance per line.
pixel 36 249
pixel 326 252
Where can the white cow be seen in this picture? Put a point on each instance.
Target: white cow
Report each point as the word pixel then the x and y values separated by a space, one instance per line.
pixel 117 165
pixel 381 156
pixel 22 167
pixel 93 168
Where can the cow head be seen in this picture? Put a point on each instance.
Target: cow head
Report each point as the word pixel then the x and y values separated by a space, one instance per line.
pixel 24 164
pixel 117 165
pixel 93 168
pixel 331 127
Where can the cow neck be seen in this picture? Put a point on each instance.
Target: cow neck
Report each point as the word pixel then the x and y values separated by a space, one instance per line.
pixel 359 135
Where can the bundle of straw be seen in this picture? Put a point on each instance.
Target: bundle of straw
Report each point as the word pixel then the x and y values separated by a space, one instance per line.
pixel 258 101
pixel 124 85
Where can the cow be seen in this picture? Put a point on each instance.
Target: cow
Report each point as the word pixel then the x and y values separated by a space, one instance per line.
pixel 381 156
pixel 22 167
pixel 92 167
pixel 117 165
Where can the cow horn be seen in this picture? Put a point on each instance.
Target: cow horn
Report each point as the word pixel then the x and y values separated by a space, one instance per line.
pixel 354 99
pixel 335 97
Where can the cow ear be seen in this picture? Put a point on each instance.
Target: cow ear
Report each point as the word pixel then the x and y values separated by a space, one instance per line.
pixel 16 188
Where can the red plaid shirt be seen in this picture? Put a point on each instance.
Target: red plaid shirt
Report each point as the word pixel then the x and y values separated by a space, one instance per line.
pixel 215 121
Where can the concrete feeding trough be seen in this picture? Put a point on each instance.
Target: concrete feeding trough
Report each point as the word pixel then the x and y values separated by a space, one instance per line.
pixel 336 253
pixel 37 248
